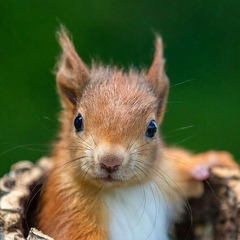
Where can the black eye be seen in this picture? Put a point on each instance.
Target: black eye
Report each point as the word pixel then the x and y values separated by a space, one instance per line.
pixel 78 123
pixel 151 129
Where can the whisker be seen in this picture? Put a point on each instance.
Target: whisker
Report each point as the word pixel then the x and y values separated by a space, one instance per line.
pixel 43 179
pixel 181 128
pixel 82 145
pixel 73 160
pixel 50 119
pixel 26 146
pixel 86 172
pixel 154 198
pixel 93 139
pixel 144 144
pixel 131 143
pixel 178 84
pixel 160 174
pixel 141 152
pixel 184 140
pixel 29 202
pixel 144 201
pixel 174 158
pixel 75 148
pixel 88 144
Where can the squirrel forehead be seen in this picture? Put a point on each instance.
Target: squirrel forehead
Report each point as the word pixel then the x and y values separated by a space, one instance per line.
pixel 114 94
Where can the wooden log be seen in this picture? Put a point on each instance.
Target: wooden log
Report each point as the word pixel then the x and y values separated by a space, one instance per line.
pixel 14 191
pixel 226 221
pixel 34 234
pixel 215 215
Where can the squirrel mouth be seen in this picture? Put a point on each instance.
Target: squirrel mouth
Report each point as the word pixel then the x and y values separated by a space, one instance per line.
pixel 108 178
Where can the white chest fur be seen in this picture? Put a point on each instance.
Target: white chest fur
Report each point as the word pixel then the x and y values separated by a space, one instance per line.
pixel 138 213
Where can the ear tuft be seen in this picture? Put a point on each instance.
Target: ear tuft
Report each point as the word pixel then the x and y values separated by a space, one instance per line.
pixel 72 74
pixel 157 77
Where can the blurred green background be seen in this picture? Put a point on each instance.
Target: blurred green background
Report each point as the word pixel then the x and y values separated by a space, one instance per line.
pixel 202 48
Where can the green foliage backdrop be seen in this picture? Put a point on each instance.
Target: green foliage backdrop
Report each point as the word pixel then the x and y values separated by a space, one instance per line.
pixel 202 48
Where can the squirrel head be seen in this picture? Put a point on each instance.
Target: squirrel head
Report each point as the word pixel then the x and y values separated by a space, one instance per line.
pixel 110 117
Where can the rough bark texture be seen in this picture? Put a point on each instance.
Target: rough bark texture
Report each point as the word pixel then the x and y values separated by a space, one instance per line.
pixel 215 216
pixel 34 234
pixel 226 221
pixel 15 188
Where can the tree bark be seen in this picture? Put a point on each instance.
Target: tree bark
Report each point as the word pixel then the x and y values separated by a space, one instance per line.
pixel 15 188
pixel 216 214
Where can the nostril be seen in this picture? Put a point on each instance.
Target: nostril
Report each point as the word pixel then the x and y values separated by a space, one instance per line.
pixel 108 168
pixel 110 163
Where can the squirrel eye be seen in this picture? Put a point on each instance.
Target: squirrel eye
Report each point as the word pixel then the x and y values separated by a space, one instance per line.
pixel 78 123
pixel 151 129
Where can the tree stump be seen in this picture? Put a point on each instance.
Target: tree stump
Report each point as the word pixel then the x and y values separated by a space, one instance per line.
pixel 215 215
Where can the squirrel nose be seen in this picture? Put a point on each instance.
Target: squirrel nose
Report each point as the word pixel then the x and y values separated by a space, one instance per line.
pixel 110 163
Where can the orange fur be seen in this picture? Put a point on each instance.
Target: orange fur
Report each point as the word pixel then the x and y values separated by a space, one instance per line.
pixel 72 212
pixel 116 108
pixel 185 162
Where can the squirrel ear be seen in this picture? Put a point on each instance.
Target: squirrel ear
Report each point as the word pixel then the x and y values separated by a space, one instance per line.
pixel 72 74
pixel 158 79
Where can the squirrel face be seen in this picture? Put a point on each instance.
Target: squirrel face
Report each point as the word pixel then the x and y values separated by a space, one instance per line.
pixel 118 126
pixel 110 117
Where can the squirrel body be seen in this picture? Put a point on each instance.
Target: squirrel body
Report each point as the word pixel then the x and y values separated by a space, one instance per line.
pixel 112 176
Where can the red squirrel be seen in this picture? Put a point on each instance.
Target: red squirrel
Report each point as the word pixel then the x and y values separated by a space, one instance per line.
pixel 113 177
